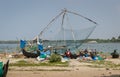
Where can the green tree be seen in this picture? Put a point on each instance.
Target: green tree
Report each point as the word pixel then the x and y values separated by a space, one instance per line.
pixel 118 37
pixel 113 39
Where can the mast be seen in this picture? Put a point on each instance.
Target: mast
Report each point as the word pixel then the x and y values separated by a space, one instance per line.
pixel 62 28
pixel 83 17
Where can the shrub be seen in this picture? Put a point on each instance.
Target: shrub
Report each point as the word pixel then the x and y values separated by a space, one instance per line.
pixel 55 58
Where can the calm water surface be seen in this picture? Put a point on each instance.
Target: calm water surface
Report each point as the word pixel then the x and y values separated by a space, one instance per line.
pixel 104 47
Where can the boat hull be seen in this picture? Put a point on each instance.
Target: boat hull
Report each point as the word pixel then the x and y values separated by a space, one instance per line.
pixel 29 54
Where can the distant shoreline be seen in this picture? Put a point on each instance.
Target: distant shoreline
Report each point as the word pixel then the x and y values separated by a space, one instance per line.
pixel 85 41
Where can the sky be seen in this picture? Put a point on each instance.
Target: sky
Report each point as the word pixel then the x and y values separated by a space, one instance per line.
pixel 24 19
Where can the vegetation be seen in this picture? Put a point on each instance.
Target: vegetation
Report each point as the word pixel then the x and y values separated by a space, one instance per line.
pixel 106 64
pixel 112 40
pixel 55 58
pixel 9 42
pixel 26 63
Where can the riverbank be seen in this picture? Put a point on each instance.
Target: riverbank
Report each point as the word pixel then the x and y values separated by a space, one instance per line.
pixel 79 72
pixel 83 72
pixel 75 68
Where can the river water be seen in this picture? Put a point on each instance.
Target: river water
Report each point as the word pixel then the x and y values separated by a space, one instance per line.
pixel 104 47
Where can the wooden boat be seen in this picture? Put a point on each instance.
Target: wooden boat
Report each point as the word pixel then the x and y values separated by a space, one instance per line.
pixel 30 54
pixel 5 69
pixel 115 54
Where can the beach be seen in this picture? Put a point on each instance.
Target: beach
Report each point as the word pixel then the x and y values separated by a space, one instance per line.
pixel 82 72
pixel 75 69
pixel 65 38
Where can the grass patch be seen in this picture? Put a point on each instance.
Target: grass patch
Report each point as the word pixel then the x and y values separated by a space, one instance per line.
pixel 25 63
pixel 54 70
pixel 43 70
pixel 103 64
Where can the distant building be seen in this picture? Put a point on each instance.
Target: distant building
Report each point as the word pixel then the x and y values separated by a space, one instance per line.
pixel 92 42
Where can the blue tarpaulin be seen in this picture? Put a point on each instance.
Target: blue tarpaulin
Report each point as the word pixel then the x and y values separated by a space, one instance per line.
pixel 22 43
pixel 40 47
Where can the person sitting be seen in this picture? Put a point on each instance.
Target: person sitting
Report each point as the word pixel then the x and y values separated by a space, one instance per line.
pixel 68 53
pixel 115 54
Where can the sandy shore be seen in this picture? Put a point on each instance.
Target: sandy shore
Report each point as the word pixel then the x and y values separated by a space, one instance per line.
pixel 75 69
pixel 81 72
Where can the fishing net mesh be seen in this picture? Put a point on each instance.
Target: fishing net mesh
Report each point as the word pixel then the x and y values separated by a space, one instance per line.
pixel 68 30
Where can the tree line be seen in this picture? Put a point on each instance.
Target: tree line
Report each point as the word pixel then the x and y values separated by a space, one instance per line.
pixel 112 40
pixel 9 42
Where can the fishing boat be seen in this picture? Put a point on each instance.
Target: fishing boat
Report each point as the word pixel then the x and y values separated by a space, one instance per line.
pixel 115 54
pixel 4 69
pixel 30 54
pixel 26 53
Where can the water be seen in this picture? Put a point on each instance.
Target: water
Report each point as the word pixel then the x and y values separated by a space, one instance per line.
pixel 104 47
pixel 8 47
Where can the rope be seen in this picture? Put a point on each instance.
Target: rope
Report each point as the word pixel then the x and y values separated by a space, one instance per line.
pixel 63 14
pixel 50 23
pixel 83 17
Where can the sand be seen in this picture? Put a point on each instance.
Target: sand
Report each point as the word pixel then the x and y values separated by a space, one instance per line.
pixel 82 72
pixel 75 69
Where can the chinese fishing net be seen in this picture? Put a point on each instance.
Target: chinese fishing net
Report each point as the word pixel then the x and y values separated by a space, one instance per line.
pixel 67 29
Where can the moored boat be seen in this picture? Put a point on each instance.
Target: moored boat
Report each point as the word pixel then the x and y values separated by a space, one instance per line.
pixel 30 54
